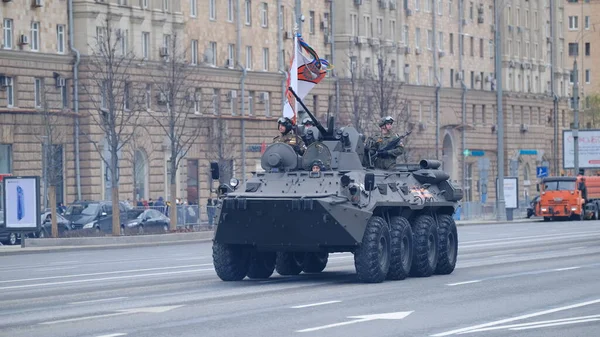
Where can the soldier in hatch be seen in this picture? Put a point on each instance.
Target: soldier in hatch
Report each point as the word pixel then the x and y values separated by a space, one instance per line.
pixel 383 153
pixel 287 136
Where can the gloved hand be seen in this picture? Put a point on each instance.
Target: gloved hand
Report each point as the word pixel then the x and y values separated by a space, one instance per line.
pixel 297 149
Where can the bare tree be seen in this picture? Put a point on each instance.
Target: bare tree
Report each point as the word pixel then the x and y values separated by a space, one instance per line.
pixel 221 147
pixel 593 111
pixel 179 101
pixel 52 137
pixel 114 104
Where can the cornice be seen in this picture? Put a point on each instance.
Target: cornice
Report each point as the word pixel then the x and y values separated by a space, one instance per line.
pixel 35 57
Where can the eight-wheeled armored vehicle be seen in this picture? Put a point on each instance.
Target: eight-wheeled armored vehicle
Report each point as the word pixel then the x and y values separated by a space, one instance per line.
pixel 289 217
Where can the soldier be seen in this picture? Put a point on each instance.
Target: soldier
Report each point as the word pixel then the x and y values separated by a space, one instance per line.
pixel 307 122
pixel 385 155
pixel 287 136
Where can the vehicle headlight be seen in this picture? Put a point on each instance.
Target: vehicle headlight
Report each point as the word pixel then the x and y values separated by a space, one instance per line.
pixel 88 225
pixel 132 224
pixel 573 208
pixel 234 182
pixel 544 209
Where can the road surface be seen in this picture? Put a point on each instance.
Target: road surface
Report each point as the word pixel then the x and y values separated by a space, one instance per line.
pixel 525 279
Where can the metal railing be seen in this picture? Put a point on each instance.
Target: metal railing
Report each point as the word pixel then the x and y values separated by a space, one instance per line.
pixel 478 211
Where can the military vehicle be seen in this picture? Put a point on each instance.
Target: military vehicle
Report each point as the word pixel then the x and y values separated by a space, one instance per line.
pixel 289 218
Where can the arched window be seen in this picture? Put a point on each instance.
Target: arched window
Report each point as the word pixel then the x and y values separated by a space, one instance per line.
pixel 140 173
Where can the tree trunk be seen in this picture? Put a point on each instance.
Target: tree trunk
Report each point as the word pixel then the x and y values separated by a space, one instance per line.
pixel 53 215
pixel 116 219
pixel 173 209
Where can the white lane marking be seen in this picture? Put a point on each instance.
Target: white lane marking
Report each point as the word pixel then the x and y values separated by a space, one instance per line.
pixel 504 255
pixel 105 273
pixel 569 268
pixel 190 258
pixel 559 323
pixel 364 318
pixel 341 257
pixel 114 335
pixel 100 300
pixel 512 319
pixel 148 310
pixel 314 304
pixel 540 323
pixel 105 279
pixel 524 239
pixel 561 235
pixel 581 247
pixel 461 283
pixel 63 262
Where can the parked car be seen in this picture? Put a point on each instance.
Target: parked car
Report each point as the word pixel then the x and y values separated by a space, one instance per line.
pixel 63 224
pixel 6 236
pixel 149 220
pixel 97 215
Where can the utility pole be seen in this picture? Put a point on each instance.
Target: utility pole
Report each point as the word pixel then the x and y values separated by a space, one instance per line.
pixel 575 100
pixel 500 203
pixel 298 10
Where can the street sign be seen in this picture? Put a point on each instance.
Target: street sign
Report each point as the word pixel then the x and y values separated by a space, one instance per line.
pixel 541 171
pixel 528 152
pixel 466 152
pixel 477 153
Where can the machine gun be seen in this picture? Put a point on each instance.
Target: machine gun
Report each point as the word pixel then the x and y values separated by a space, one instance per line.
pixel 390 146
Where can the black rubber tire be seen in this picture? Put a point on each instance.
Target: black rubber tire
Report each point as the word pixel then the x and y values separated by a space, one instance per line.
pixel 262 265
pixel 448 245
pixel 401 248
pixel 289 263
pixel 315 262
pixel 231 262
pixel 425 249
pixel 372 258
pixel 12 239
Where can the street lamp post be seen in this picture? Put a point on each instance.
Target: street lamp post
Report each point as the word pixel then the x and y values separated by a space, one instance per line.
pixel 575 100
pixel 500 203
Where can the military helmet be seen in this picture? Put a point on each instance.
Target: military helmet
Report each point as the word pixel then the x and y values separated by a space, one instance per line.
pixel 386 120
pixel 307 120
pixel 319 163
pixel 285 121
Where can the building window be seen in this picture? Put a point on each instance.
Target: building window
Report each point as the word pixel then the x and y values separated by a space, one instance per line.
pixel 491 48
pixel 35 36
pixel 417 5
pixel 8 33
pixel 144 4
pixel 392 29
pixel 38 88
pixel 471 11
pixel 193 8
pixel 354 24
pixel 311 21
pixel 418 75
pixel 212 48
pixel 248 12
pixel 405 35
pixel 127 96
pixel 230 10
pixel 145 45
pixel 230 55
pixel 251 95
pixel 5 158
pixel 264 14
pixel 430 76
pixel 60 38
pixel 197 100
pixel 103 94
pixel 166 5
pixel 123 41
pixel 429 39
pixel 266 59
pixel 439 6
pixel 481 48
pixel 451 42
pixel 167 43
pixel 450 4
pixel 586 22
pixel 440 41
pixel 418 38
pixel 249 57
pixel 212 10
pixel 587 76
pixel 367 20
pixel 267 103
pixel 194 52
pixel 573 22
pixel 10 92
pixel 472 40
pixel 380 27
pixel 573 49
pixel 587 49
pixel 148 96
pixel 216 102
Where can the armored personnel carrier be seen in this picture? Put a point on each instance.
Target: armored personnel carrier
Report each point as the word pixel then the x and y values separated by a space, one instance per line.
pixel 289 217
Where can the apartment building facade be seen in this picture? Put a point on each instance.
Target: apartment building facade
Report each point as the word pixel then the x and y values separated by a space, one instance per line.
pixel 239 51
pixel 581 41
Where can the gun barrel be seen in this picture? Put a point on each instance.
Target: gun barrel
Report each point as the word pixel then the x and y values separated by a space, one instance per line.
pixel 317 123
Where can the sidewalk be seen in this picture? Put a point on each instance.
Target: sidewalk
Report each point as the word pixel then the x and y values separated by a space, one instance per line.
pixel 33 246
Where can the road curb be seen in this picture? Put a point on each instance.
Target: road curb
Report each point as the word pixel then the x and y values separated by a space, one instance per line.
pixel 492 222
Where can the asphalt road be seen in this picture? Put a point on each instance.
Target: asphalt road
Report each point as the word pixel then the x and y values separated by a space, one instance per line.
pixel 525 279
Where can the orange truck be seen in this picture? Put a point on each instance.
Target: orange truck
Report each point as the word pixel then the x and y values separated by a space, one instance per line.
pixel 575 198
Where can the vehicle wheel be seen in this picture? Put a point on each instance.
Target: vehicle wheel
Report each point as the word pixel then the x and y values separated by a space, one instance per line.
pixel 315 262
pixel 448 245
pixel 97 230
pixel 372 258
pixel 141 230
pixel 12 239
pixel 262 265
pixel 165 228
pixel 42 233
pixel 425 250
pixel 122 230
pixel 289 263
pixel 231 262
pixel 401 248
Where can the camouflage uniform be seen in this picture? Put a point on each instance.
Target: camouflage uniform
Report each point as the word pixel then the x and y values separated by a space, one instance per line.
pixel 387 159
pixel 293 140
